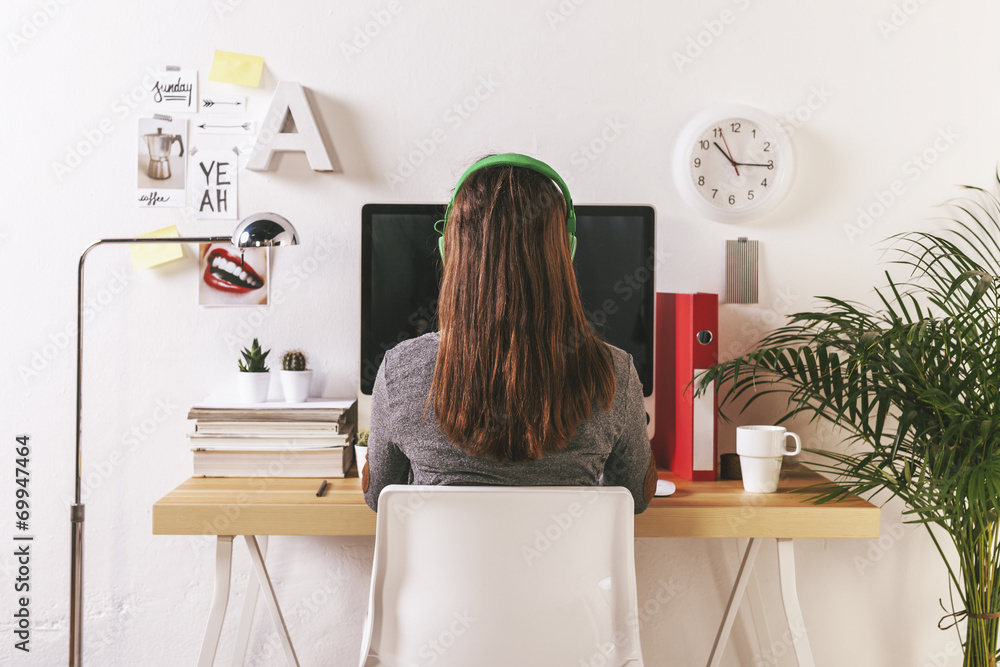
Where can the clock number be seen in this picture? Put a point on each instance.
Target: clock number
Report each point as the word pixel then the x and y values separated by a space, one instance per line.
pixel 715 191
pixel 764 183
pixel 767 146
pixel 704 144
pixel 735 127
pixel 749 194
pixel 770 164
pixel 732 199
pixel 697 162
pixel 701 180
pixel 753 133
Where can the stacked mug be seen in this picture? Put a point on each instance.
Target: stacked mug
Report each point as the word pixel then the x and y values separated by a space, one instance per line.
pixel 761 450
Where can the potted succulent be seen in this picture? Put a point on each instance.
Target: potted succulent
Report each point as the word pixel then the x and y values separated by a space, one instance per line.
pixel 914 384
pixel 295 377
pixel 361 449
pixel 254 377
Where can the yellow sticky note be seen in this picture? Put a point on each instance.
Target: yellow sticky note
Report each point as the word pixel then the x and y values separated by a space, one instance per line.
pixel 145 255
pixel 237 68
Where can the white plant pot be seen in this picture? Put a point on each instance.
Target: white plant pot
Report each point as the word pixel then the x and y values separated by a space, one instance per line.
pixel 295 385
pixel 360 455
pixel 253 386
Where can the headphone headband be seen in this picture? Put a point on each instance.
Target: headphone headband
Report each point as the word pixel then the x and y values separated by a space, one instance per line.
pixel 515 160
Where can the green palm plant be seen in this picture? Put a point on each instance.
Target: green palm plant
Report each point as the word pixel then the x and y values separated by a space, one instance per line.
pixel 914 383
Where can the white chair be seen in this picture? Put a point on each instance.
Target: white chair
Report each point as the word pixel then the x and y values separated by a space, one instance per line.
pixel 502 576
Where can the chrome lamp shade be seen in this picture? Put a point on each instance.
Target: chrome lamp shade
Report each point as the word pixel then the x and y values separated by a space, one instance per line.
pixel 264 229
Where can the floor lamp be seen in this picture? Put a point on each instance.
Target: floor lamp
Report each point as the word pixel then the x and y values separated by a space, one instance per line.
pixel 259 230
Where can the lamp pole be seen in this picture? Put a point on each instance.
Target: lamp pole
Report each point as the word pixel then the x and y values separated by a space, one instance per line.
pixel 259 230
pixel 77 509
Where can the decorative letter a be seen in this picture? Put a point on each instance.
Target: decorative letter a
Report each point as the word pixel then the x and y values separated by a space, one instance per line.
pixel 290 104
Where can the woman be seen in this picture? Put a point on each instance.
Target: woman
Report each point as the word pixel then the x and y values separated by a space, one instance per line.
pixel 515 389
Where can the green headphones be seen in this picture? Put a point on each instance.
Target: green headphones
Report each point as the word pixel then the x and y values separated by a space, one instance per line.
pixel 515 160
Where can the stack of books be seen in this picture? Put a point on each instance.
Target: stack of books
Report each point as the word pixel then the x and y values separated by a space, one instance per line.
pixel 310 439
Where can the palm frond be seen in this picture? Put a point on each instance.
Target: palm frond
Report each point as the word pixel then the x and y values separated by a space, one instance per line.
pixel 915 379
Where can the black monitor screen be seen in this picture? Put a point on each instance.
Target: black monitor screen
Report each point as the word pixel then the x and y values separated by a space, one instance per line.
pixel 401 272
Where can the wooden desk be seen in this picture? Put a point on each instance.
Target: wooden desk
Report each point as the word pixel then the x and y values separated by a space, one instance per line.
pixel 272 506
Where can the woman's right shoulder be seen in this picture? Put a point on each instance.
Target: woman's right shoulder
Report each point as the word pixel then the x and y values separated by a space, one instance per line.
pixel 414 355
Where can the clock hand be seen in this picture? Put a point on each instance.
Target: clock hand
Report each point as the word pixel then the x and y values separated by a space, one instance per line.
pixel 751 164
pixel 731 161
pixel 729 152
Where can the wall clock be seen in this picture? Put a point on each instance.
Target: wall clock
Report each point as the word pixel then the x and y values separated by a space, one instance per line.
pixel 733 163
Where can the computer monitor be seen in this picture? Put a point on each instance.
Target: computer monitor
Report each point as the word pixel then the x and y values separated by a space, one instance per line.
pixel 401 272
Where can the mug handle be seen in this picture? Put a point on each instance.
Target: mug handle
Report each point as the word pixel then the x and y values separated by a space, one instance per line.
pixel 798 443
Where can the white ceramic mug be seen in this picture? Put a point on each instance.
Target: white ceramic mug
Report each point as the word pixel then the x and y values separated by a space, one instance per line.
pixel 761 450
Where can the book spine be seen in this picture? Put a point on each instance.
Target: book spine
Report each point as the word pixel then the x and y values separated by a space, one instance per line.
pixel 266 444
pixel 268 464
pixel 287 429
pixel 251 416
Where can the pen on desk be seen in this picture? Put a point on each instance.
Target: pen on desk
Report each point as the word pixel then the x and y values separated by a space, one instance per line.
pixel 322 489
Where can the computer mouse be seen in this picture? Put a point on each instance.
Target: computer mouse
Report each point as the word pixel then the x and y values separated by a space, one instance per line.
pixel 664 487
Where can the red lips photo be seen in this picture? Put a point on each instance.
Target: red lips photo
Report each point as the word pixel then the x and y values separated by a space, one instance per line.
pixel 227 279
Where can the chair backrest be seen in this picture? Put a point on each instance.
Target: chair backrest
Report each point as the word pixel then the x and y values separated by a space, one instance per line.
pixel 503 576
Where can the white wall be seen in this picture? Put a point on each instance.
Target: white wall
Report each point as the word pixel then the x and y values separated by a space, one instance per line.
pixel 866 102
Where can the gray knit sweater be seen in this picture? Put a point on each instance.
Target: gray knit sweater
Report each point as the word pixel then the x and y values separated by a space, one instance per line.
pixel 406 446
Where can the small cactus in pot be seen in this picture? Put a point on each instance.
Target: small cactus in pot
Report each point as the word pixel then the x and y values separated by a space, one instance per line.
pixel 295 377
pixel 293 360
pixel 361 450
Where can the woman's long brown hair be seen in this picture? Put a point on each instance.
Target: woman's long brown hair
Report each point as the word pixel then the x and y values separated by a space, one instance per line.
pixel 518 367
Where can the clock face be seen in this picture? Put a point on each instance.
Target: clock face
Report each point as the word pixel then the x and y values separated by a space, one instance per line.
pixel 733 163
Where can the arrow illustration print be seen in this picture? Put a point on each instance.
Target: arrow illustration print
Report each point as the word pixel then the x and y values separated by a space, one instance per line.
pixel 205 126
pixel 206 103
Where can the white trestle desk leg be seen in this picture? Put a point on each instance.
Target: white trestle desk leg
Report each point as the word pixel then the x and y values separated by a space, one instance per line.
pixel 271 600
pixel 249 607
pixel 749 556
pixel 790 598
pixel 223 568
pixel 758 614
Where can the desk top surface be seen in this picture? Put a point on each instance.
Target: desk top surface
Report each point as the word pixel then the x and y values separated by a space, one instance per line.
pixel 290 506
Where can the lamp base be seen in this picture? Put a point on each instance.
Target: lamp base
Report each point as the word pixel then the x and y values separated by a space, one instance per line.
pixel 76 586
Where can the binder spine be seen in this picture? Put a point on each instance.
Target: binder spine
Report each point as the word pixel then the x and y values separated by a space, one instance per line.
pixel 686 438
